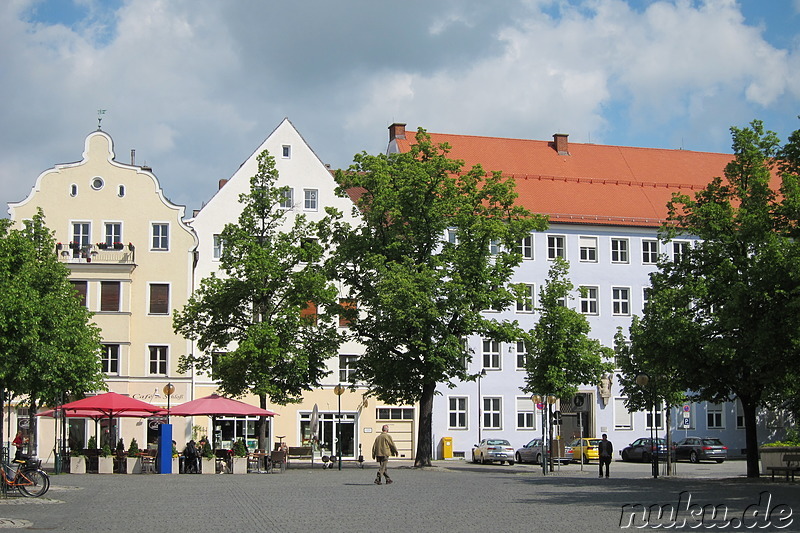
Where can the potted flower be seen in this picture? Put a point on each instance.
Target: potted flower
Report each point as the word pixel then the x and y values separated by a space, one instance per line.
pixel 77 462
pixel 118 246
pixel 102 245
pixel 239 457
pixel 105 463
pixel 207 458
pixel 75 245
pixel 134 460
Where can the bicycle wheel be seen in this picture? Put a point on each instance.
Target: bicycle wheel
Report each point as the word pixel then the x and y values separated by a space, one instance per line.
pixel 33 483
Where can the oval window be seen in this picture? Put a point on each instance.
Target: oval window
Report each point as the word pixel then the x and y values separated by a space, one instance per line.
pixel 121 192
pixel 73 190
pixel 97 183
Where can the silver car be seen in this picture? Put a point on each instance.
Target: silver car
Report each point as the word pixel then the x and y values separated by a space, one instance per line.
pixel 490 450
pixel 697 449
pixel 534 451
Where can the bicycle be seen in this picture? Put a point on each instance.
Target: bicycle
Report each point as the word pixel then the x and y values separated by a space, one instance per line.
pixel 29 478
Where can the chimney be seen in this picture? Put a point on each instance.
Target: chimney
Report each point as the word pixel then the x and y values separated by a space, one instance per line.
pixel 133 156
pixel 561 143
pixel 397 131
pixel 222 183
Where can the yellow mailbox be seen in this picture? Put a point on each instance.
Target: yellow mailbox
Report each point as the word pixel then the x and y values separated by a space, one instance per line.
pixel 447 447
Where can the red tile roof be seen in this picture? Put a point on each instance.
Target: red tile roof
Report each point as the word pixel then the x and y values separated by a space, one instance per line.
pixel 593 184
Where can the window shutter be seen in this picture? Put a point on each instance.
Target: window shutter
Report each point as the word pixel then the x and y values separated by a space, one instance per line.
pixel 159 299
pixel 109 295
pixel 80 289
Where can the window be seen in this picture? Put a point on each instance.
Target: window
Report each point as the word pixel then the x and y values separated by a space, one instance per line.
pixel 556 247
pixel 158 360
pixel 287 198
pixel 80 290
pixel 216 251
pixel 81 233
pixel 159 299
pixel 522 355
pixel 347 368
pixel 526 414
pixel 110 358
pixel 588 300
pixel 309 313
pixel 286 151
pixel 160 236
pixel 623 419
pixel 113 233
pixel 621 300
pixel 310 199
pixel 494 247
pixel 394 413
pixel 457 412
pixel 525 247
pixel 714 416
pixel 491 354
pixel 679 249
pixel 619 250
pixel 659 418
pixel 588 249
pixel 645 297
pixel 110 296
pixel 525 305
pixel 97 183
pixel 121 191
pixel 739 414
pixel 649 252
pixel 348 306
pixel 492 413
pixel 452 236
pixel 73 190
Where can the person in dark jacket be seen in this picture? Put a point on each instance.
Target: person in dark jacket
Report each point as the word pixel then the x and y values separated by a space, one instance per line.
pixel 605 450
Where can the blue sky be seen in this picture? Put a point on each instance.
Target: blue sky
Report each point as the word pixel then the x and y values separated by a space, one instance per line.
pixel 195 85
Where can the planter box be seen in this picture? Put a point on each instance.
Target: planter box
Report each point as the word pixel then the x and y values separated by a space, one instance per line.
pixel 77 465
pixel 176 465
pixel 239 465
pixel 133 465
pixel 208 466
pixel 773 456
pixel 105 465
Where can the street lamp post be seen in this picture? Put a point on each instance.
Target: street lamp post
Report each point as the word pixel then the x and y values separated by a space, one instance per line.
pixel 538 400
pixel 480 403
pixel 643 380
pixel 169 390
pixel 339 390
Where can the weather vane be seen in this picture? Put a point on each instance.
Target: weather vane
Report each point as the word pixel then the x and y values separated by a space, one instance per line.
pixel 100 113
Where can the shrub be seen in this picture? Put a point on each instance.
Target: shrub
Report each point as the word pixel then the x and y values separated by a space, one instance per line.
pixel 240 448
pixel 133 449
pixel 105 451
pixel 92 444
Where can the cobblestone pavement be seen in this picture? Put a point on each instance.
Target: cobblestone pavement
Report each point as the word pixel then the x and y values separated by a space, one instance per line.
pixel 451 496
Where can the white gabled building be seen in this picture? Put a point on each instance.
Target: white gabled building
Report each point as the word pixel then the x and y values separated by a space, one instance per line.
pixel 605 205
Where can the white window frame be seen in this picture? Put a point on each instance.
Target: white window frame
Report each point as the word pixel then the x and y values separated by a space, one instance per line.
pixel 458 412
pixel 286 151
pixel 81 232
pixel 451 235
pixel 494 247
pixel 715 411
pixel 645 297
pixel 310 199
pixel 492 413
pixel 107 361
pixel 526 413
pixel 679 248
pixel 525 248
pixel 346 367
pixel 159 361
pixel 159 236
pixel 526 305
pixel 490 353
pixel 620 250
pixel 287 199
pixel 590 302
pixel 660 417
pixel 521 355
pixel 216 247
pixel 587 247
pixel 110 236
pixel 556 247
pixel 623 418
pixel 650 251
pixel 150 294
pixel 621 301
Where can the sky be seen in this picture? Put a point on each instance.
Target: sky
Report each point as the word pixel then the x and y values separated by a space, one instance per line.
pixel 194 86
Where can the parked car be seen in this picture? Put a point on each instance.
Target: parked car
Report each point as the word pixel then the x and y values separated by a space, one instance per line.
pixel 697 449
pixel 644 448
pixel 490 450
pixel 534 451
pixel 585 447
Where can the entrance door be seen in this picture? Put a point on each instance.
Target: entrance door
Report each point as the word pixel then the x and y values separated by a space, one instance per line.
pixel 329 425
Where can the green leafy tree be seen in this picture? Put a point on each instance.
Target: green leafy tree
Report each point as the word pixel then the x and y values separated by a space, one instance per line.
pixel 416 293
pixel 263 323
pixel 561 356
pixel 723 318
pixel 48 346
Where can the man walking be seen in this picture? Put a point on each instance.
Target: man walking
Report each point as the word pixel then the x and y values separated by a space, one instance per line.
pixel 605 450
pixel 381 449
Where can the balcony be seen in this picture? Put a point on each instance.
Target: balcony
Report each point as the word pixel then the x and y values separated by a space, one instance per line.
pixel 119 254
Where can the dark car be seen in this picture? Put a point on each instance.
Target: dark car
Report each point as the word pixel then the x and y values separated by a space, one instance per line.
pixel 643 450
pixel 697 449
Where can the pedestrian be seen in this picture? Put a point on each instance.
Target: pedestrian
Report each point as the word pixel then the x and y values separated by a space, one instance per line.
pixel 19 441
pixel 381 449
pixel 605 450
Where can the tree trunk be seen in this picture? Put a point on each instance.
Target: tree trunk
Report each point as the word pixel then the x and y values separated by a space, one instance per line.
pixel 263 443
pixel 425 435
pixel 751 436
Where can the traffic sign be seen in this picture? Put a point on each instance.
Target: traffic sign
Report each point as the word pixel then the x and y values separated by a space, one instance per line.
pixel 540 406
pixel 687 422
pixel 686 408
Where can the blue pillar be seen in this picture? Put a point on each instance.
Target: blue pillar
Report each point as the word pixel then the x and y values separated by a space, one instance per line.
pixel 164 456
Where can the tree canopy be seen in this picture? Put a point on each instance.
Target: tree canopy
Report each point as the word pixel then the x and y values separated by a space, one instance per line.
pixel 265 325
pixel 722 320
pixel 436 247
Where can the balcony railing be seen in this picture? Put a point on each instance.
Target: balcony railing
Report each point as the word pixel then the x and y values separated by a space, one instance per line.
pixel 121 254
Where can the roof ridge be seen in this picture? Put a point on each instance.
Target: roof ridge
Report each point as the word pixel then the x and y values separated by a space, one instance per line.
pixel 600 181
